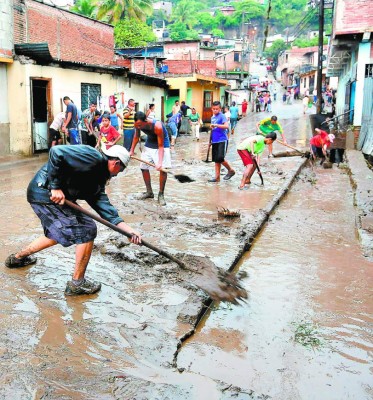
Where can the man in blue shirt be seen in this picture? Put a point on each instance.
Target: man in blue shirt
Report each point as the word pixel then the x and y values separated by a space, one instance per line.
pixel 234 116
pixel 73 172
pixel 219 142
pixel 173 123
pixel 71 121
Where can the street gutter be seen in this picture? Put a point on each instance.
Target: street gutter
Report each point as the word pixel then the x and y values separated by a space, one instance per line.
pixel 248 236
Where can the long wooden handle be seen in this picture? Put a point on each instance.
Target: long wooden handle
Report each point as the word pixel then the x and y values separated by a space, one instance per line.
pixel 290 147
pixel 123 232
pixel 150 164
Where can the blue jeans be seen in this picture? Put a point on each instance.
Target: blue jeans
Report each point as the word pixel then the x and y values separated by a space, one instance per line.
pixel 74 136
pixel 233 123
pixel 128 135
pixel 173 127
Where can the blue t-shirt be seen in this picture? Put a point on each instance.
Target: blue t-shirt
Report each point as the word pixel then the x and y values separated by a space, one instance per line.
pixel 234 112
pixel 114 119
pixel 175 118
pixel 73 124
pixel 219 134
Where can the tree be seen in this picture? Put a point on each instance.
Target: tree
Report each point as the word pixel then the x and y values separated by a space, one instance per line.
pixel 302 42
pixel 275 49
pixel 186 12
pixel 113 11
pixel 132 33
pixel 179 31
pixel 85 7
pixel 218 33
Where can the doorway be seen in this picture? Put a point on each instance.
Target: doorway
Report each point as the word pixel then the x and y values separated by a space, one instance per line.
pixel 41 115
pixel 207 104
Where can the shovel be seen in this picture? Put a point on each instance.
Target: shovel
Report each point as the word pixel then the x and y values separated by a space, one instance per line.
pixel 218 284
pixel 207 157
pixel 180 177
pixel 305 154
pixel 259 171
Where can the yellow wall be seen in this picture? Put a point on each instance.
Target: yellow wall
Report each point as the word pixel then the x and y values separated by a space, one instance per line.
pixel 65 82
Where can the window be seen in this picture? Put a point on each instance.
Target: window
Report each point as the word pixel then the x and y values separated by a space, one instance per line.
pixel 236 56
pixel 207 100
pixel 89 94
pixel 369 70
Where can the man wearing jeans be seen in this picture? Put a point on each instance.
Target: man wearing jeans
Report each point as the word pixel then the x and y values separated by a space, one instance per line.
pixel 129 124
pixel 72 121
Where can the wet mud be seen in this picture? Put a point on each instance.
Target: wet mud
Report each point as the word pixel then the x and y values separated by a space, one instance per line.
pixel 124 342
pixel 306 329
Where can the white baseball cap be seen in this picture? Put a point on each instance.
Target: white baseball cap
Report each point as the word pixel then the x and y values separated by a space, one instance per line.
pixel 331 137
pixel 118 152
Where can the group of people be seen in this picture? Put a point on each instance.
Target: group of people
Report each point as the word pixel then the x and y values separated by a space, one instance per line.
pixel 84 127
pixel 83 171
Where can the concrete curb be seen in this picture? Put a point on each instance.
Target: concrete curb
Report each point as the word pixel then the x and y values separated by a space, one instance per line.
pixel 247 238
pixel 362 182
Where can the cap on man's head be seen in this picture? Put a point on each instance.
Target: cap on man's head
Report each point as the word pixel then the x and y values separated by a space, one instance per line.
pixel 331 137
pixel 117 152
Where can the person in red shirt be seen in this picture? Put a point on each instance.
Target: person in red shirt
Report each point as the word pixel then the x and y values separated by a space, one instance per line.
pixel 244 107
pixel 320 143
pixel 109 136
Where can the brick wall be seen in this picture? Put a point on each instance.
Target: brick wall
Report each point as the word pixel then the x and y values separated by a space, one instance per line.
pixel 353 16
pixel 137 66
pixel 204 67
pixel 6 29
pixel 181 50
pixel 70 37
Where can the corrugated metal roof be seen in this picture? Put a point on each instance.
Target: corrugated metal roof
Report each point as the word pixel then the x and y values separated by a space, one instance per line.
pixel 37 51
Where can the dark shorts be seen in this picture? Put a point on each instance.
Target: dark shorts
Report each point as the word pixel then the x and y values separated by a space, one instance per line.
pixel 219 150
pixel 54 135
pixel 65 225
pixel 317 151
pixel 245 157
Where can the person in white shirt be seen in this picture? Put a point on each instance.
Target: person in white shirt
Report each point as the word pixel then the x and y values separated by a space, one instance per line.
pixel 54 129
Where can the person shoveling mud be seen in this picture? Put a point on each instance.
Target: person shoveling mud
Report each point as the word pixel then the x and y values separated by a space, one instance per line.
pixel 81 172
pixel 73 172
pixel 319 145
pixel 218 284
pixel 249 150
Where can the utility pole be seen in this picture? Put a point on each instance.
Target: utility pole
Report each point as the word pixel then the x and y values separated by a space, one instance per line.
pixel 320 57
pixel 243 44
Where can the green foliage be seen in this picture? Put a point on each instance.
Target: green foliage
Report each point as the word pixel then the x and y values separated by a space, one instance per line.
pixel 306 334
pixel 207 21
pixel 85 7
pixel 218 33
pixel 132 33
pixel 303 42
pixel 186 13
pixel 113 11
pixel 275 49
pixel 179 31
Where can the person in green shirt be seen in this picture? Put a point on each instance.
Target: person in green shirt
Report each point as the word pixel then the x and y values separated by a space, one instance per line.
pixel 250 149
pixel 269 125
pixel 195 122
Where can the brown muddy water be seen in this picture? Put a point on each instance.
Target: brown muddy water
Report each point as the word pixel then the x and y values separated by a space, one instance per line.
pixel 122 343
pixel 306 275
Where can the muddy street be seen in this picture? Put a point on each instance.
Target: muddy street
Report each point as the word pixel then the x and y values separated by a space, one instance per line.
pixel 142 337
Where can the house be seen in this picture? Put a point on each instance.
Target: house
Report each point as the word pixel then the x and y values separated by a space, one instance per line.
pixel 350 58
pixel 298 66
pixel 58 53
pixel 188 68
pixel 6 58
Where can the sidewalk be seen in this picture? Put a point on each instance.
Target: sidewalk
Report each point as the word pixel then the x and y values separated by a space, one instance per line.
pixel 12 160
pixel 362 182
